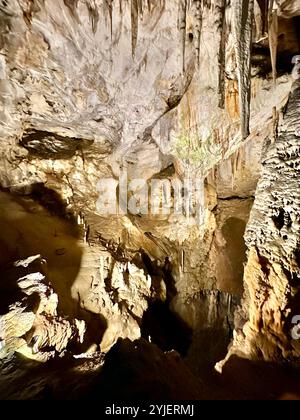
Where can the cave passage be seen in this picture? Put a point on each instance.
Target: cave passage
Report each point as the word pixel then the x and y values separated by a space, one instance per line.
pixel 233 231
pixel 165 329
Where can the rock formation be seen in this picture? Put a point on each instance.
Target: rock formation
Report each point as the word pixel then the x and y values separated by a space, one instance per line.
pixel 139 141
pixel 32 325
pixel 272 237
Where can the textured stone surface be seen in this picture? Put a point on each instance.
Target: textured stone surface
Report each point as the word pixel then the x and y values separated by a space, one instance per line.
pixel 272 236
pixel 69 87
pixel 32 326
pixel 160 89
pixel 288 8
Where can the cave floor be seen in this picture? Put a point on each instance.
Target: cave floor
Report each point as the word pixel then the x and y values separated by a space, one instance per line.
pixel 143 375
pixel 137 370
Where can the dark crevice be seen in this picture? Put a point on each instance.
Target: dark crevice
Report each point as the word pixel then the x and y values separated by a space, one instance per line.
pixel 265 265
pixel 166 329
pixel 279 219
pixel 159 324
pixel 47 145
pixel 51 201
pixel 236 197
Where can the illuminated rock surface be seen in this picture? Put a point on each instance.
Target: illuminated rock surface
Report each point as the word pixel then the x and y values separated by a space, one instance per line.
pixel 160 89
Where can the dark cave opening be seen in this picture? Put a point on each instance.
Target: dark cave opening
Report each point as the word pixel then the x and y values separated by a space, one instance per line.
pixel 288 39
pixel 191 37
pixel 160 325
pixel 261 60
pixel 279 219
pixel 233 231
pixel 165 329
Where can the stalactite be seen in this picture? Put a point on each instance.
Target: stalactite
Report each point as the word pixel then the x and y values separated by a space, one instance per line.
pixel 273 37
pixel 201 201
pixel 198 13
pixel 259 24
pixel 221 24
pixel 243 14
pixel 238 159
pixel 134 24
pixel 140 7
pixel 109 8
pixel 182 28
pixel 213 306
pixel 27 14
pixel 264 6
pixel 94 15
pixel 30 7
pixel 72 6
pixel 149 5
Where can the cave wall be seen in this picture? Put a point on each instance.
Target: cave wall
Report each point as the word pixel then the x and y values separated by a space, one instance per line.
pixel 102 79
pixel 86 87
pixel 272 237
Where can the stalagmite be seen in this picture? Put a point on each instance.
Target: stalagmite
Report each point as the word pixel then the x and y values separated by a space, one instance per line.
pixel 80 219
pixel 243 13
pixel 86 232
